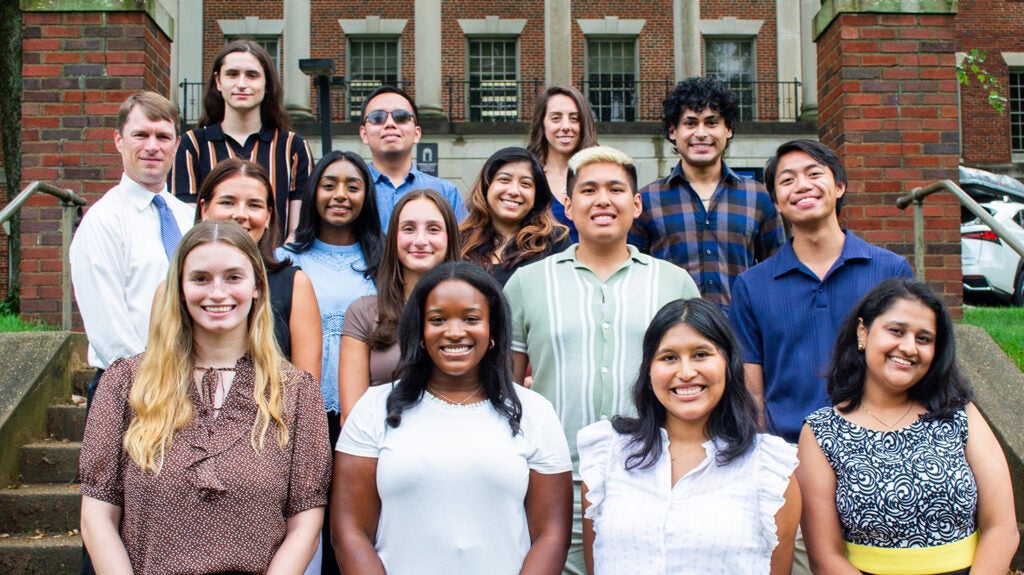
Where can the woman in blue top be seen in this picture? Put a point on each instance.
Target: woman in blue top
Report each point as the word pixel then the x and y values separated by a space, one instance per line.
pixel 902 474
pixel 338 243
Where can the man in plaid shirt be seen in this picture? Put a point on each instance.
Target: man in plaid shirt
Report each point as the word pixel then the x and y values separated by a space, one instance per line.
pixel 704 217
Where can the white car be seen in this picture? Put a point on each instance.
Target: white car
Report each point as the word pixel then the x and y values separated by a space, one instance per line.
pixel 990 266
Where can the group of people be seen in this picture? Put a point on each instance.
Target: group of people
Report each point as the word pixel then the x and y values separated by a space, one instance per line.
pixel 565 373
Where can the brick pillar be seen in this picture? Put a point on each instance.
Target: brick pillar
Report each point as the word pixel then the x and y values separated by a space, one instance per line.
pixel 78 66
pixel 887 105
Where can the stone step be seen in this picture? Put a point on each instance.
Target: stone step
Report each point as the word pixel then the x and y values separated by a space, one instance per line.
pixel 49 461
pixel 80 380
pixel 51 554
pixel 49 508
pixel 66 421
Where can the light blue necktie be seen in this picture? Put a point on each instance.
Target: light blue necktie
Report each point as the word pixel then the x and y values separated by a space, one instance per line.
pixel 169 232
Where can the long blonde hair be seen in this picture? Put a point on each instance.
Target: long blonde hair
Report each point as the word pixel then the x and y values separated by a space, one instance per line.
pixel 160 394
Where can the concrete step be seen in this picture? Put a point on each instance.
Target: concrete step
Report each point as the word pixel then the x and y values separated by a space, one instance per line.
pixel 49 461
pixel 66 421
pixel 80 380
pixel 49 508
pixel 51 554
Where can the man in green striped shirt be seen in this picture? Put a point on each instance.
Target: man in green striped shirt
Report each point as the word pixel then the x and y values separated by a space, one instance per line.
pixel 579 316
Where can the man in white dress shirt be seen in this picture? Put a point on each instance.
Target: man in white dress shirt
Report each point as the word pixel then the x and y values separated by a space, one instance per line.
pixel 120 252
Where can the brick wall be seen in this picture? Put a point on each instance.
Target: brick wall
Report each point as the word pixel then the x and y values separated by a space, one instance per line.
pixel 213 37
pixel 887 105
pixel 78 67
pixel 993 26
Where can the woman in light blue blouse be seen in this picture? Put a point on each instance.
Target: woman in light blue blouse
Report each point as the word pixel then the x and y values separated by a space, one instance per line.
pixel 338 243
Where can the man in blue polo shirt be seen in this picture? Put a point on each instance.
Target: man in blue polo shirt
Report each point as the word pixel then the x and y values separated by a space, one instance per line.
pixel 391 129
pixel 787 310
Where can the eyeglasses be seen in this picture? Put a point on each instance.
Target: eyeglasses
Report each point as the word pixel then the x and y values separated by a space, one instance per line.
pixel 400 116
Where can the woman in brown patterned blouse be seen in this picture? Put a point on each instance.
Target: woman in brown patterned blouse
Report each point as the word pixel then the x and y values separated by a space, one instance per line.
pixel 207 453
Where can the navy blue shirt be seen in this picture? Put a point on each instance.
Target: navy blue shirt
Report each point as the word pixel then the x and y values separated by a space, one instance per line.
pixel 787 320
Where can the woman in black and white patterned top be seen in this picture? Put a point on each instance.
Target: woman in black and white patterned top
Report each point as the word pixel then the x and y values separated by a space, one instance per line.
pixel 892 481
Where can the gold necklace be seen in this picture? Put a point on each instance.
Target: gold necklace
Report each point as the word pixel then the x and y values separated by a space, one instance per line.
pixel 452 401
pixel 895 423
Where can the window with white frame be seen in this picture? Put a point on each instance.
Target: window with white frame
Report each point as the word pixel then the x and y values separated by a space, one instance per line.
pixel 1016 108
pixel 731 60
pixel 493 79
pixel 611 78
pixel 372 62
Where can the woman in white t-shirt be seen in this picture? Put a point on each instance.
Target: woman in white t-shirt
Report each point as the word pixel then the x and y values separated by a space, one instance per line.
pixel 453 468
pixel 688 486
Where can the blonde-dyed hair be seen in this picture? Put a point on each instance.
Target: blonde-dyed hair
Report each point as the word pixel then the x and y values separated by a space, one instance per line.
pixel 600 155
pixel 160 394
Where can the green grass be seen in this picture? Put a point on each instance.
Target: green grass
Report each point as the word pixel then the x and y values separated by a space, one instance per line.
pixel 1004 324
pixel 10 322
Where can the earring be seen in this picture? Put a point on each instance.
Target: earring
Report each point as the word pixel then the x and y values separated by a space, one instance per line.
pixel 860 345
pixel 491 346
pixel 422 346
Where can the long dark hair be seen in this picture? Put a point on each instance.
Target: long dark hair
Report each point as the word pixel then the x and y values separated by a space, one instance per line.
pixel 538 231
pixel 731 422
pixel 366 226
pixel 236 167
pixel 942 390
pixel 390 283
pixel 496 366
pixel 538 144
pixel 272 114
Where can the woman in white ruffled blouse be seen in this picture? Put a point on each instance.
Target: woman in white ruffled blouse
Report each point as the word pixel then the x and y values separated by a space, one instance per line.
pixel 688 486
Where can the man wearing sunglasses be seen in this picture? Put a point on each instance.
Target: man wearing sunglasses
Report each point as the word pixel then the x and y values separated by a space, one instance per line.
pixel 391 129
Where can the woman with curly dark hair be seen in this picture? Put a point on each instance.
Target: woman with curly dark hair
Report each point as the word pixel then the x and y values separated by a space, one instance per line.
pixel 902 474
pixel 510 222
pixel 454 468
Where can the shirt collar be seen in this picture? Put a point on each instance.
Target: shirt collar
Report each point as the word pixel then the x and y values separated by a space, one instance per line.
pixel 138 196
pixel 677 174
pixel 569 255
pixel 216 132
pixel 854 248
pixel 377 175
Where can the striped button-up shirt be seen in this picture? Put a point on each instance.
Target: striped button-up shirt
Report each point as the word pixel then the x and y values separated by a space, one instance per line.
pixel 284 154
pixel 583 336
pixel 740 228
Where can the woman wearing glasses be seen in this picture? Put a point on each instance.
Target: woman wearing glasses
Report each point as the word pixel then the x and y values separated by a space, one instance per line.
pixel 390 127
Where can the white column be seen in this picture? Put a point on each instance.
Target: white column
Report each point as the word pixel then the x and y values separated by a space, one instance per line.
pixel 558 43
pixel 788 50
pixel 187 57
pixel 808 61
pixel 428 58
pixel 296 47
pixel 686 41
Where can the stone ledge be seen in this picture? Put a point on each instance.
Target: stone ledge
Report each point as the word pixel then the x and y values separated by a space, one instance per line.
pixel 154 8
pixel 831 9
pixel 999 394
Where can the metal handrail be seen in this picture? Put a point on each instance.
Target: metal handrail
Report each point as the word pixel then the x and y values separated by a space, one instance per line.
pixel 917 196
pixel 68 201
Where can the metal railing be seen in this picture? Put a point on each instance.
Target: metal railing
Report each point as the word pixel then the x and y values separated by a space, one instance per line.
pixel 69 202
pixel 191 104
pixel 513 100
pixel 491 100
pixel 640 100
pixel 917 196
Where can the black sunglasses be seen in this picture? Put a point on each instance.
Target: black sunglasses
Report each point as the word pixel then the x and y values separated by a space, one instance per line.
pixel 400 116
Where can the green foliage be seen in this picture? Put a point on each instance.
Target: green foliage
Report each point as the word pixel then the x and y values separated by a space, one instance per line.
pixel 1004 325
pixel 971 66
pixel 10 322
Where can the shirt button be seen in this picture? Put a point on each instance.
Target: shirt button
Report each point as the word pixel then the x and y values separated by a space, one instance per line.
pixel 707 222
pixel 605 325
pixel 708 252
pixel 604 370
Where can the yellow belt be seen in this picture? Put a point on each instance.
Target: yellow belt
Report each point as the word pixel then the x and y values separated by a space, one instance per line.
pixel 913 560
